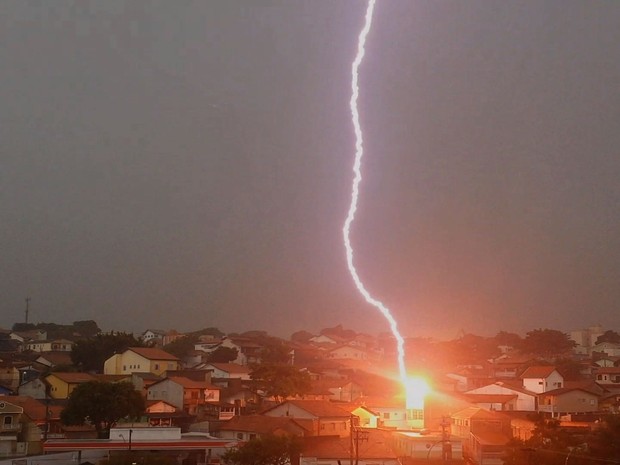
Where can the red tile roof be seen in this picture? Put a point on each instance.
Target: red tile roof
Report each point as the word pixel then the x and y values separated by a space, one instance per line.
pixel 317 408
pixel 538 372
pixel 262 424
pixel 152 353
pixel 71 377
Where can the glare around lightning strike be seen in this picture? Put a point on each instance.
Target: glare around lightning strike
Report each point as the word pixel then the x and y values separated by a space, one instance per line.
pixel 359 152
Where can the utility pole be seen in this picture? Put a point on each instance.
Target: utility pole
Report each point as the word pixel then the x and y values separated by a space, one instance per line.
pixel 357 434
pixel 27 308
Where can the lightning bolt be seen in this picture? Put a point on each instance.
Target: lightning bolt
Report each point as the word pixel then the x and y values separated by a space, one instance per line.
pixel 357 179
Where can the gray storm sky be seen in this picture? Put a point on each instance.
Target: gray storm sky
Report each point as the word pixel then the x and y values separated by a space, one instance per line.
pixel 188 164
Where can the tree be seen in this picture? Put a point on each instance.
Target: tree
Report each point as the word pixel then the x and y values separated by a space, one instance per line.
pixel 504 338
pixel 86 328
pixel 91 354
pixel 281 381
pixel 223 355
pixel 546 343
pixel 301 336
pixel 182 346
pixel 604 442
pixel 265 450
pixel 609 336
pixel 102 404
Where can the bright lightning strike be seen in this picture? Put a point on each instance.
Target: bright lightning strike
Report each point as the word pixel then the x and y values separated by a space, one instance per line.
pixel 359 152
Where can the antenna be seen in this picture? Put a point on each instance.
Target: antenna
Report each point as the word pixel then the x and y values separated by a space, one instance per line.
pixel 27 308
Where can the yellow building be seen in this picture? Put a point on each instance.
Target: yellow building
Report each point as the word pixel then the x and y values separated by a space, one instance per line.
pixel 141 360
pixel 61 385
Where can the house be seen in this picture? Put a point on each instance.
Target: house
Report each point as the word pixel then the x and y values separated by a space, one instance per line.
pixel 347 352
pixel 608 377
pixel 163 414
pixel 247 427
pixel 367 447
pixel 391 413
pixel 494 401
pixel 612 349
pixel 141 360
pixel 9 375
pixel 563 401
pixel 57 345
pixel 509 366
pixel 10 427
pixel 525 401
pixel 327 418
pixel 159 337
pixel 61 385
pixel 248 351
pixel 53 359
pixel 236 393
pixel 153 336
pixel 39 420
pixel 542 378
pixel 226 370
pixel 324 339
pixel 34 388
pixel 185 393
pixel 366 418
pixel 485 434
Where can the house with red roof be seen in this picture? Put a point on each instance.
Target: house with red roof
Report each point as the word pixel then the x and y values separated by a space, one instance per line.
pixel 327 418
pixel 141 360
pixel 539 378
pixel 62 384
pixel 247 427
pixel 608 377
pixel 226 370
pixel 484 434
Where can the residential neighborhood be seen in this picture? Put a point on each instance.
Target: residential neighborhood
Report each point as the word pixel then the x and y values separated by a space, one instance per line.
pixel 338 396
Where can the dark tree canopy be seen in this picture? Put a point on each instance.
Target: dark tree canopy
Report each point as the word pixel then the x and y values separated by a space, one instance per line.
pixel 266 450
pixel 301 336
pixel 91 354
pixel 505 338
pixel 223 355
pixel 102 405
pixel 85 328
pixel 609 336
pixel 546 343
pixel 281 381
pixel 182 346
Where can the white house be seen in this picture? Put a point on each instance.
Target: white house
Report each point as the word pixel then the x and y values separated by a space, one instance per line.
pixel 539 379
pixel 526 400
pixel 226 370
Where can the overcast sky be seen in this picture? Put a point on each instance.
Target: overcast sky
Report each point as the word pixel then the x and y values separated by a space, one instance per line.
pixel 188 164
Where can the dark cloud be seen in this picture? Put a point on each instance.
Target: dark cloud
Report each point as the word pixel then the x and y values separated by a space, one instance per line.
pixel 184 165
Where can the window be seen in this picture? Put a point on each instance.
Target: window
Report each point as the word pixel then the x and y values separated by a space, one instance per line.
pixel 239 435
pixel 8 421
pixel 157 366
pixel 386 415
pixel 252 436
